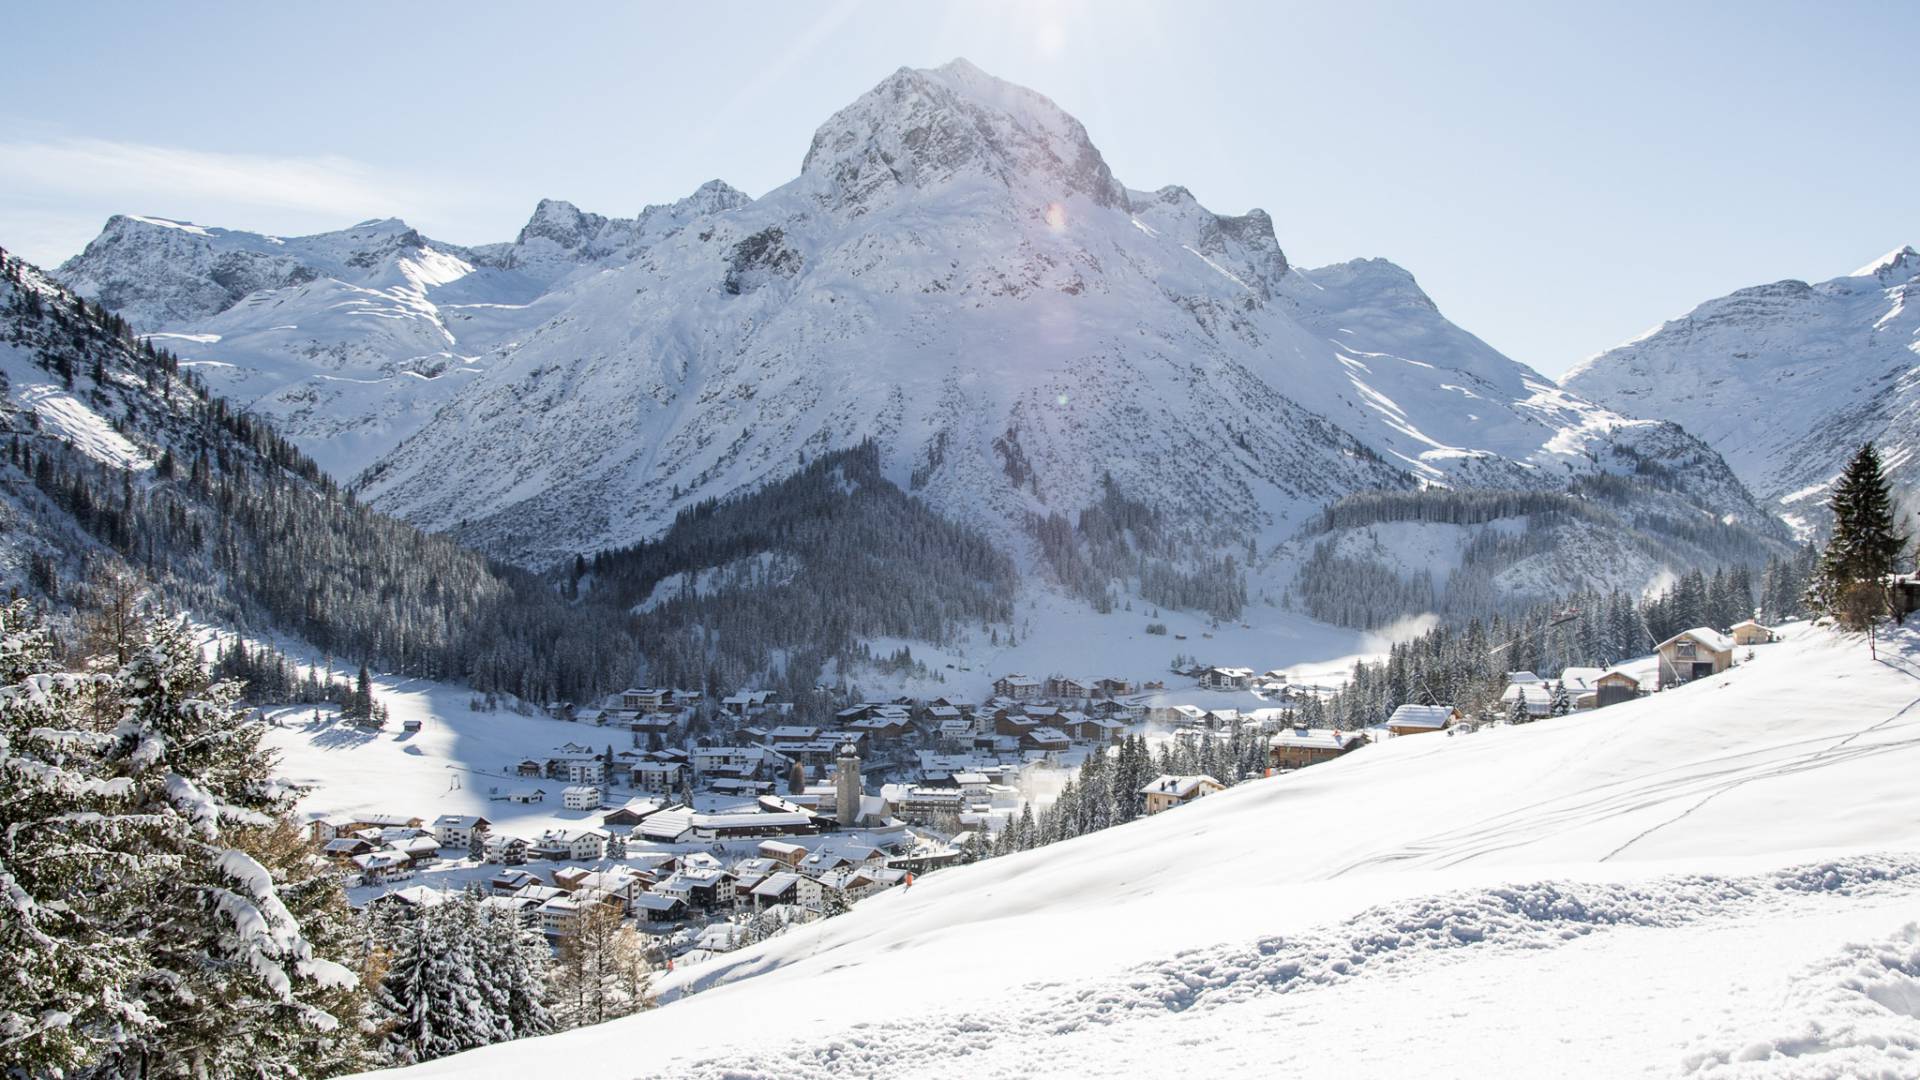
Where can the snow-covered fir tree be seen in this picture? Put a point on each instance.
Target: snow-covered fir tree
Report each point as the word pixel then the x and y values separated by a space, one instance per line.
pixel 165 918
pixel 459 974
pixel 1868 544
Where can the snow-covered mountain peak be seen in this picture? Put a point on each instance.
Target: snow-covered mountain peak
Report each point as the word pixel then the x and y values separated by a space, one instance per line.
pixel 1386 283
pixel 156 271
pixel 560 238
pixel 1245 246
pixel 1901 263
pixel 1785 379
pixel 712 197
pixel 372 227
pixel 922 129
pixel 125 222
pixel 561 222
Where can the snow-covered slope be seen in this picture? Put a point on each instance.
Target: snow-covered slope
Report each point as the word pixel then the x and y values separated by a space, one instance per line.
pixel 1718 880
pixel 957 273
pixel 1785 380
pixel 350 340
pixel 561 240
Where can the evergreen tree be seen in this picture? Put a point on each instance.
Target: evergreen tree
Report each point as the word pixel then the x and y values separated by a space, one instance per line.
pixel 433 988
pixel 210 919
pixel 64 852
pixel 360 705
pixel 975 848
pixel 1868 544
pixel 520 961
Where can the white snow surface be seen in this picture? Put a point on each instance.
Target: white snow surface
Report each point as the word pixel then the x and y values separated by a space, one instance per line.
pixel 1721 880
pixel 452 765
pixel 1785 380
pixel 62 414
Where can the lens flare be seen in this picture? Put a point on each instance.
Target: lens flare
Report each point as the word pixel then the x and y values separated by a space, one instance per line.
pixel 1056 217
pixel 1050 37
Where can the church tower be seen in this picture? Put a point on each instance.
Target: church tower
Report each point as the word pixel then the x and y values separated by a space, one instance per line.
pixel 846 786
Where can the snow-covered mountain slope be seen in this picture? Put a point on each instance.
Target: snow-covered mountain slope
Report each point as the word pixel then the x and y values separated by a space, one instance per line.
pixel 1718 880
pixel 115 460
pixel 561 240
pixel 1785 380
pixel 350 340
pixel 957 273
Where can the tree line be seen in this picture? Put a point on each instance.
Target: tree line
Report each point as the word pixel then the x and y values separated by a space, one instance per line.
pixel 1120 542
pixel 1105 790
pixel 1605 517
pixel 1466 665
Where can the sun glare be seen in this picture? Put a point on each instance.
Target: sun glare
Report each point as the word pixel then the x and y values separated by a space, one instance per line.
pixel 1056 217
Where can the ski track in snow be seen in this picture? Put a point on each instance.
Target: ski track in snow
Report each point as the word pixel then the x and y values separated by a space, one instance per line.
pixel 1532 823
pixel 1792 765
pixel 1384 940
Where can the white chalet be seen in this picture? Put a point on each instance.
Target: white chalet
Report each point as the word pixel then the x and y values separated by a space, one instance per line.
pixel 659 777
pixel 379 867
pixel 1165 792
pixel 456 830
pixel 557 915
pixel 579 845
pixel 1534 693
pixel 581 797
pixel 746 703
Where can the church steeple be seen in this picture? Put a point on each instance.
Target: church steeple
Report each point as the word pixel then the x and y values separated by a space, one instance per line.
pixel 846 786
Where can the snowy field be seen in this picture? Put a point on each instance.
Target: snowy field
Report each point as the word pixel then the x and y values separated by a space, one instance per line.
pixel 1062 635
pixel 1722 880
pixel 450 766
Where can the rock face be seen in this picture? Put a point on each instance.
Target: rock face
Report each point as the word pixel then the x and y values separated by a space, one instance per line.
pixel 561 239
pixel 954 126
pixel 956 274
pixel 157 272
pixel 1784 380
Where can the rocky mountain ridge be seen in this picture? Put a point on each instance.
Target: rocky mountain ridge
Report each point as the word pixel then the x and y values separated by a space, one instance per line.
pixel 1785 380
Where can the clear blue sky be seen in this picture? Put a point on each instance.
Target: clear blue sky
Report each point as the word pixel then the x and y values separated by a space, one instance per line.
pixel 1559 177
